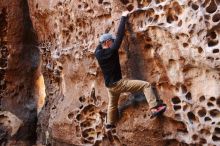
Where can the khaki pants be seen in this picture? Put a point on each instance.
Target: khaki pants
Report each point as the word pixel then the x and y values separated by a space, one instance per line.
pixel 125 85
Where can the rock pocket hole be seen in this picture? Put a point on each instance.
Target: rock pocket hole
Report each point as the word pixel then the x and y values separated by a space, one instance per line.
pixel 79 117
pixel 87 141
pixel 195 7
pixel 159 1
pixel 212 99
pixel 90 138
pixel 202 141
pixel 212 35
pixel 176 107
pixel 215 51
pixel 70 116
pixel 218 101
pixel 202 112
pixel 106 3
pixel 184 89
pixel 82 99
pixel 185 107
pixel 88 132
pixel 71 28
pixel 214 113
pixel 130 7
pixel 90 11
pixel 205 132
pixel 210 58
pixel 180 23
pixel 215 138
pixel 217 130
pixel 212 43
pixel 100 1
pixel 176 100
pixel 79 6
pixel 125 1
pixel 195 137
pixel 212 7
pixel 191 31
pixel 170 19
pixel 216 18
pixel 207 17
pixel 202 98
pixel 200 50
pixel 207 119
pixel 185 45
pixel 209 104
pixel 87 123
pixel 191 116
pixel 88 109
pixel 54 107
pixel 85 5
pixel 147 46
pixel 188 96
pixel 156 18
pixel 113 130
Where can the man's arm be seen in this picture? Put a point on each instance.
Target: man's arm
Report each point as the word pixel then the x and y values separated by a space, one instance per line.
pixel 97 51
pixel 121 31
pixel 117 43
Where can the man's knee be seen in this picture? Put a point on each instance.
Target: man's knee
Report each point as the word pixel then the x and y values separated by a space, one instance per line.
pixel 147 85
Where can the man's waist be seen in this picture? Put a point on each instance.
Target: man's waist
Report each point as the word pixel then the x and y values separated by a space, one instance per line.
pixel 112 84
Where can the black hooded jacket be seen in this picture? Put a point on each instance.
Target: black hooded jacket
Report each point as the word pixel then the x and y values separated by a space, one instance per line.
pixel 108 59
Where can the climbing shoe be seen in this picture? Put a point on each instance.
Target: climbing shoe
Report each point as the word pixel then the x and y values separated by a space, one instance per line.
pixel 157 110
pixel 110 127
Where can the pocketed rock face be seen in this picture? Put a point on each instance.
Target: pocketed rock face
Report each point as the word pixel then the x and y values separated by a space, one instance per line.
pixel 10 121
pixel 173 44
pixel 19 70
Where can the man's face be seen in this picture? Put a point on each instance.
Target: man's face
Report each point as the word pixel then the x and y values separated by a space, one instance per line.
pixel 107 44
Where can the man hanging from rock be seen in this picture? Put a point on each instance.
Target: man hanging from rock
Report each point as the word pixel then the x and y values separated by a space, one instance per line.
pixel 108 59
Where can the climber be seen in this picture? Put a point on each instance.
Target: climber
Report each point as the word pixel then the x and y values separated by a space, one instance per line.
pixel 107 55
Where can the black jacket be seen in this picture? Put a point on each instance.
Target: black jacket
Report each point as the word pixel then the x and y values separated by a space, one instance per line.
pixel 108 59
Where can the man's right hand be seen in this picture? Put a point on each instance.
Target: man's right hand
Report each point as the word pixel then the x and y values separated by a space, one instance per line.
pixel 125 13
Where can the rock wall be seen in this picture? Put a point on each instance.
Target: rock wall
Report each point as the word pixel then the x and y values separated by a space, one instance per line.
pixel 172 44
pixel 20 72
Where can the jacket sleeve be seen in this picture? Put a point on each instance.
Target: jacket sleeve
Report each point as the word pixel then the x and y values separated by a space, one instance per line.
pixel 120 34
pixel 98 52
pixel 116 44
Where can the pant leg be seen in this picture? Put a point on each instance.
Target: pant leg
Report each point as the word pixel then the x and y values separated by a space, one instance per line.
pixel 112 113
pixel 137 86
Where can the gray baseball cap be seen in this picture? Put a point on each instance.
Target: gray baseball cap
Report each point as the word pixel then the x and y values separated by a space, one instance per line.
pixel 106 36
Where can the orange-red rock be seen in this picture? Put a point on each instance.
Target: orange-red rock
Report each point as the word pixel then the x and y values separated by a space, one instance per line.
pixel 172 44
